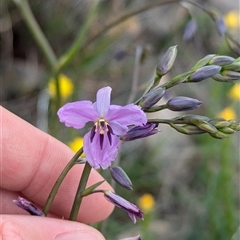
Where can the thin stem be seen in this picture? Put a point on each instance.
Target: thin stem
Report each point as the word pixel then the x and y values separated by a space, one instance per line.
pixel 58 93
pixel 126 16
pixel 36 31
pixel 73 50
pixel 59 181
pixel 81 187
pixel 156 108
pixel 134 88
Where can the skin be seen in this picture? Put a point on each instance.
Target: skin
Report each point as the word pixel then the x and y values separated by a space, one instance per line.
pixel 30 162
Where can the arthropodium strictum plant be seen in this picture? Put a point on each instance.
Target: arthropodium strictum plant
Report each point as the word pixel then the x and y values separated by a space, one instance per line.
pixel 113 124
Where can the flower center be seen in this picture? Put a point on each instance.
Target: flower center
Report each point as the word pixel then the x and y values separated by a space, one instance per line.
pixel 101 127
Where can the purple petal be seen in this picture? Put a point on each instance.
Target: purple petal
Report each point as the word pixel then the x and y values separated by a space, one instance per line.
pixel 120 117
pixel 28 206
pixel 97 157
pixel 133 217
pixel 103 101
pixel 118 129
pixel 77 114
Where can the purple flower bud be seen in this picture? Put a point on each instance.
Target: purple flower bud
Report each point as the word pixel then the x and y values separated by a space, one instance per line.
pixel 204 73
pixel 220 78
pixel 132 238
pixel 28 206
pixel 190 30
pixel 140 132
pixel 167 61
pixel 120 176
pixel 221 60
pixel 231 75
pixel 183 104
pixel 152 97
pixel 132 210
pixel 221 27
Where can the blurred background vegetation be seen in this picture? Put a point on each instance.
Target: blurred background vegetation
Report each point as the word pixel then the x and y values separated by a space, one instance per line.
pixel 188 185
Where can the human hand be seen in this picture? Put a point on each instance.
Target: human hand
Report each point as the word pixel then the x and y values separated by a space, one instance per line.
pixel 31 161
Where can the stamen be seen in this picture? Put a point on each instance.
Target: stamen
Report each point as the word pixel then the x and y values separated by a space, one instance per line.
pixel 101 127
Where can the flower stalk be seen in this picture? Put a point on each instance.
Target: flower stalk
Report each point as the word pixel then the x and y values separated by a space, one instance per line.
pixel 81 187
pixel 60 180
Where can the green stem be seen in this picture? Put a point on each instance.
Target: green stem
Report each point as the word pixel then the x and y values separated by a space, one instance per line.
pixel 156 108
pixel 81 187
pixel 59 181
pixel 124 17
pixel 165 121
pixel 36 31
pixel 73 50
pixel 58 94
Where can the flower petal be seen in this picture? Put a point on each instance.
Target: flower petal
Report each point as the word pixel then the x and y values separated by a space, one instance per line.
pixel 97 157
pixel 118 129
pixel 77 114
pixel 103 101
pixel 125 116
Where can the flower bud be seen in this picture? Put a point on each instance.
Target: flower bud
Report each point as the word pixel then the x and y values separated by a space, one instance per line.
pixel 191 118
pixel 152 97
pixel 220 123
pixel 235 125
pixel 203 62
pixel 188 129
pixel 235 66
pixel 231 74
pixel 132 210
pixel 28 206
pixel 190 30
pixel 221 60
pixel 120 176
pixel 219 135
pixel 205 126
pixel 220 78
pixel 227 130
pixel 167 61
pixel 204 73
pixel 132 238
pixel 183 104
pixel 221 27
pixel 140 132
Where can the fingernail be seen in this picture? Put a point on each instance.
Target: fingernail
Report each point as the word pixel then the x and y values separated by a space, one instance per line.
pixel 76 235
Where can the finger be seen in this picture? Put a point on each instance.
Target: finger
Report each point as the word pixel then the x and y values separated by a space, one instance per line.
pixel 38 228
pixel 31 162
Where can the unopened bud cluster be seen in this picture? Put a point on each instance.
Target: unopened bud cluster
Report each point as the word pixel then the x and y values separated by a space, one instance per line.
pixel 219 68
pixel 195 124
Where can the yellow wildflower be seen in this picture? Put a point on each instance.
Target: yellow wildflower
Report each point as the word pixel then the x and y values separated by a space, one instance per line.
pixel 232 19
pixel 76 144
pixel 65 86
pixel 228 113
pixel 146 202
pixel 234 92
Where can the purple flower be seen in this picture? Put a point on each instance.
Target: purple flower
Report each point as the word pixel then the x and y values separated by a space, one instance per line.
pixel 132 210
pixel 28 206
pixel 110 121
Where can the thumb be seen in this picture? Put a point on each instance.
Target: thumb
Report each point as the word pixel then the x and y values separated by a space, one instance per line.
pixel 20 227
